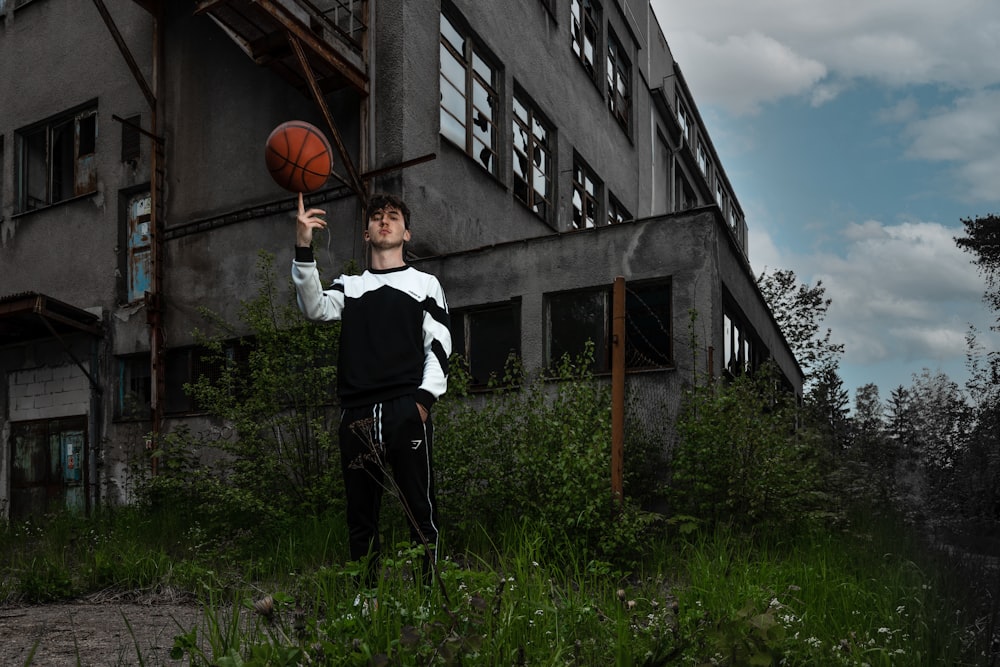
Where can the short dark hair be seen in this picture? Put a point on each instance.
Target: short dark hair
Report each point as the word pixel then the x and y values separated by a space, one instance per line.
pixel 380 200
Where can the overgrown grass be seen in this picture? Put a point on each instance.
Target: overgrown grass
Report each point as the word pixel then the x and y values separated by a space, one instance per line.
pixel 869 596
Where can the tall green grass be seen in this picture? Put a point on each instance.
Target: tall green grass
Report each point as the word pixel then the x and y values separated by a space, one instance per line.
pixel 869 596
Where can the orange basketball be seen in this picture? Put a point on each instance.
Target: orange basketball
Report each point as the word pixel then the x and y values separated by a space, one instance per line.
pixel 298 156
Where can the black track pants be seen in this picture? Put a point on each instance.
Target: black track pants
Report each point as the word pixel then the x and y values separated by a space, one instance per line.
pixel 389 436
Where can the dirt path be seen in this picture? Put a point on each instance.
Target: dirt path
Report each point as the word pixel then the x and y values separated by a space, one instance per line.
pixel 94 632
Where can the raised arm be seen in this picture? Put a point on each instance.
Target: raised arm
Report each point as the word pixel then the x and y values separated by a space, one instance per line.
pixel 314 302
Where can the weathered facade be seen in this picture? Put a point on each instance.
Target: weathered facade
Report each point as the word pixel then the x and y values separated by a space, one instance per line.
pixel 545 148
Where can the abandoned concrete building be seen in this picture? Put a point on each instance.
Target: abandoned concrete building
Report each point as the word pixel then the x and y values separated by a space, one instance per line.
pixel 545 147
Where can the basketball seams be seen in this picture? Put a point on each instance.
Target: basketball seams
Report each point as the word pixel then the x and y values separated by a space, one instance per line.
pixel 299 172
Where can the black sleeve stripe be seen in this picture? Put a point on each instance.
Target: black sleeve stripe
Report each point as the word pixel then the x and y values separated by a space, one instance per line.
pixel 438 349
pixel 337 287
pixel 437 312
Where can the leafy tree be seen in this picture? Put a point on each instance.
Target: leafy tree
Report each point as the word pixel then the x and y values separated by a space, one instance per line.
pixel 982 240
pixel 799 310
pixel 283 458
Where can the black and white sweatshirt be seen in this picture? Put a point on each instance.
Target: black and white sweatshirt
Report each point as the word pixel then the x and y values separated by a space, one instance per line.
pixel 394 338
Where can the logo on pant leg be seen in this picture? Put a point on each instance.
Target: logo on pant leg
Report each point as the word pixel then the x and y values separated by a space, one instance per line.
pixel 416 443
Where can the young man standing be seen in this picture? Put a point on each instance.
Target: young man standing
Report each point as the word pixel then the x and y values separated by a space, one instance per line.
pixel 392 367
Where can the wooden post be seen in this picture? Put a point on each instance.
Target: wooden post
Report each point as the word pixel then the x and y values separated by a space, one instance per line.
pixel 618 390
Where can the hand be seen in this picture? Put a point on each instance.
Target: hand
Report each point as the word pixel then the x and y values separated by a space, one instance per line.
pixel 423 412
pixel 306 222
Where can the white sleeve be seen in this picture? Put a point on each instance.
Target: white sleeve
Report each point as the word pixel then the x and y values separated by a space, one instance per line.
pixel 315 302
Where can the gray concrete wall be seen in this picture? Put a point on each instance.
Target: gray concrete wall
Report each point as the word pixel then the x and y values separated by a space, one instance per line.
pixel 68 250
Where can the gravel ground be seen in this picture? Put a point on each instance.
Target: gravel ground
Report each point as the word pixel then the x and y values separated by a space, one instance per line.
pixel 94 632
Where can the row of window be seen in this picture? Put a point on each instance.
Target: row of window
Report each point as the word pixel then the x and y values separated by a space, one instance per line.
pixel 485 336
pixel 693 137
pixel 470 117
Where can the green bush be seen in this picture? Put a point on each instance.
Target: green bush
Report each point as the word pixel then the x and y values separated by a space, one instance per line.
pixel 274 387
pixel 538 449
pixel 743 458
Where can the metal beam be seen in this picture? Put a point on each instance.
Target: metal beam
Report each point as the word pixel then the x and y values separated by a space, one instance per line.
pixel 126 52
pixel 355 180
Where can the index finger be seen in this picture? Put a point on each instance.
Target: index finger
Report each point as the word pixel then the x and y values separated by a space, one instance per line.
pixel 302 206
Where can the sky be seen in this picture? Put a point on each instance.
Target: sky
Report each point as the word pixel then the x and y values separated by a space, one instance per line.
pixel 857 134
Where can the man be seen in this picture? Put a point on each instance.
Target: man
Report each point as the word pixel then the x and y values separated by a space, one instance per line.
pixel 393 366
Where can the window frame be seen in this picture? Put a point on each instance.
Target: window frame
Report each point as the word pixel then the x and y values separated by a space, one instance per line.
pixel 533 145
pixel 462 320
pixel 619 75
pixel 132 402
pixel 617 213
pixel 586 15
pixel 135 239
pixel 471 55
pixel 44 154
pixel 580 190
pixel 602 347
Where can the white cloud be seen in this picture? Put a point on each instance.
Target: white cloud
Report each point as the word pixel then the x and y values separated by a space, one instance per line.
pixel 902 291
pixel 967 133
pixel 759 69
pixel 739 55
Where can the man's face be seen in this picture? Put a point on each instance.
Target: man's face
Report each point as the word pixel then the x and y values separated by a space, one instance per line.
pixel 387 229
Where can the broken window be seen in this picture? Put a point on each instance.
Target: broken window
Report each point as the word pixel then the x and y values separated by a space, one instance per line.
pixel 57 159
pixel 740 349
pixel 619 83
pixel 133 398
pixel 486 337
pixel 469 99
pixel 648 343
pixel 576 317
pixel 586 16
pixel 138 269
pixel 686 197
pixel 188 365
pixel 532 159
pixel 616 212
pixel 682 120
pixel 585 196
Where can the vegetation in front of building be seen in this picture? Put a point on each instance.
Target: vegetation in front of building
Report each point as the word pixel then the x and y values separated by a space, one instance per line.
pixel 770 550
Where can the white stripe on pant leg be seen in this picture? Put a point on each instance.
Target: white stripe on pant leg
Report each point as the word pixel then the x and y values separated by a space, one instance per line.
pixel 377 419
pixel 430 504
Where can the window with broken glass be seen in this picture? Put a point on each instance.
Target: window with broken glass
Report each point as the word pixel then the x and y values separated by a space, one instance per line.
pixel 469 98
pixel 57 159
pixel 619 83
pixel 532 159
pixel 586 193
pixel 585 19
pixel 577 317
pixel 617 213
pixel 487 337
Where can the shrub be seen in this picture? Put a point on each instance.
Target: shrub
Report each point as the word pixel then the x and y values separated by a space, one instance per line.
pixel 742 457
pixel 278 401
pixel 540 451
